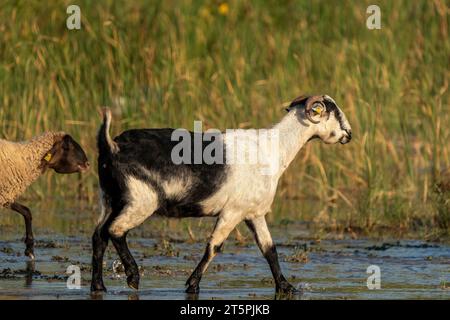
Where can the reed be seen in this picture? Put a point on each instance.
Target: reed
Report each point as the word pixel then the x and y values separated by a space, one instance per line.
pixel 235 64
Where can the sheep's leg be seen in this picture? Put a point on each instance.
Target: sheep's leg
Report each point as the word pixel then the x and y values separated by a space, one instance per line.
pixel 259 228
pixel 99 243
pixel 29 239
pixel 221 231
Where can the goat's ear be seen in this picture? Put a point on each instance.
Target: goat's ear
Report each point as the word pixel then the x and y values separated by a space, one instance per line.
pixel 299 101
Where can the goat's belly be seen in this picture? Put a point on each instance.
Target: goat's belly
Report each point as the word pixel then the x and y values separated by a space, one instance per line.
pixel 191 210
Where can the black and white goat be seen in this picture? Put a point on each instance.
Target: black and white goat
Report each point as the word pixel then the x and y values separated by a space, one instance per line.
pixel 138 178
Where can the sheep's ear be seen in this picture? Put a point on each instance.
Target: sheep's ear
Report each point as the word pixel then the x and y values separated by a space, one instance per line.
pixel 45 161
pixel 49 157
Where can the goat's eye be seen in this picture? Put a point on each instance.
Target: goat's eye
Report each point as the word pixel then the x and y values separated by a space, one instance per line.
pixel 317 109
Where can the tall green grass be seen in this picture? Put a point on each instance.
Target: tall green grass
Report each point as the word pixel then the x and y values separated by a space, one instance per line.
pixel 168 63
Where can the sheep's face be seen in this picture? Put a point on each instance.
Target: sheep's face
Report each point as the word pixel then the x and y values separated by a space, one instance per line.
pixel 66 156
pixel 327 119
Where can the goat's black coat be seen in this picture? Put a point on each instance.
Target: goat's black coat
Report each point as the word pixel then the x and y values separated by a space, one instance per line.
pixel 148 149
pixel 151 149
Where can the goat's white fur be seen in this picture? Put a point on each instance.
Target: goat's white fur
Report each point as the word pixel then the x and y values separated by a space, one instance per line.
pixel 247 194
pixel 143 202
pixel 237 191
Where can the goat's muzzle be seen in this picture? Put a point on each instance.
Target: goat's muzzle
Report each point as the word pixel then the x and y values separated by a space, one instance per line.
pixel 346 137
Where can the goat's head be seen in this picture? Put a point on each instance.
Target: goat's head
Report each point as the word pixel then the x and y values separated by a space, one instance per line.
pixel 327 119
pixel 66 156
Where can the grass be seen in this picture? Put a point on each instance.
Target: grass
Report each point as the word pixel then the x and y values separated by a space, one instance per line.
pixel 168 63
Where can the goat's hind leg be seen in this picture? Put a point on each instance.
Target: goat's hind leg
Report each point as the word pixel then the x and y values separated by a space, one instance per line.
pixel 100 240
pixel 131 216
pixel 99 243
pixel 131 268
pixel 29 240
pixel 259 228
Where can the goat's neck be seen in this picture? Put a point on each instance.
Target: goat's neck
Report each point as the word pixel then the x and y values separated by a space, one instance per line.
pixel 293 134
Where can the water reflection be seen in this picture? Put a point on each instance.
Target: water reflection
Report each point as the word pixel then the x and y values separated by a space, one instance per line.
pixel 29 272
pixel 133 296
pixel 334 269
pixel 191 296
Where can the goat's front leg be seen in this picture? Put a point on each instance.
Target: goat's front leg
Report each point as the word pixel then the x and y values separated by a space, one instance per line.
pixel 224 226
pixel 259 228
pixel 29 239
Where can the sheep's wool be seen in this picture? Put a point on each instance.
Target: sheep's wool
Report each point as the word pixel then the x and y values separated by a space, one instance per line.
pixel 19 164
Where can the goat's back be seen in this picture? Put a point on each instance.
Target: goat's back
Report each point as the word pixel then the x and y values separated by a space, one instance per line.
pixel 146 154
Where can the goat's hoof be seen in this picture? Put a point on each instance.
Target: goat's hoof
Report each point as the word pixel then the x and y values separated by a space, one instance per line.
pixel 286 288
pixel 97 288
pixel 193 288
pixel 133 282
pixel 29 253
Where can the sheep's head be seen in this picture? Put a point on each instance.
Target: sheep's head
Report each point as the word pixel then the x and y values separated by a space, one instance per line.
pixel 327 119
pixel 66 156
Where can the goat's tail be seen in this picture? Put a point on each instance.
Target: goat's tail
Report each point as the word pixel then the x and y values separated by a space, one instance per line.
pixel 106 145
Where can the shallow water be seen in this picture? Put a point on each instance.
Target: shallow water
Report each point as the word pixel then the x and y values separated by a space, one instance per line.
pixel 329 269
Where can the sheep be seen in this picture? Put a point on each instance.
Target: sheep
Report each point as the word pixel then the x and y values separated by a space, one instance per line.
pixel 139 178
pixel 21 163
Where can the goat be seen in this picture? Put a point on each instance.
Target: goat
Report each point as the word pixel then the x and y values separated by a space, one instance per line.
pixel 138 178
pixel 21 163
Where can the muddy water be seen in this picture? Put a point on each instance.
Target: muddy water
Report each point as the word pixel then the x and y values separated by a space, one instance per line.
pixel 329 269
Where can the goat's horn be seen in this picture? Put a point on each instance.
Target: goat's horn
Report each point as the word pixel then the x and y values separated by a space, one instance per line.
pixel 297 101
pixel 309 104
